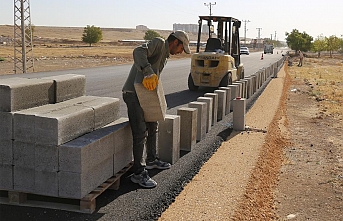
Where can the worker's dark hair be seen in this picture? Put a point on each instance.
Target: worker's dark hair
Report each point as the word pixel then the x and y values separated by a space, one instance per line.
pixel 172 38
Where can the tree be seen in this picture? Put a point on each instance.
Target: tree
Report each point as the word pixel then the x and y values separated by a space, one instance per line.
pixel 29 30
pixel 91 35
pixel 319 44
pixel 150 34
pixel 298 41
pixel 333 44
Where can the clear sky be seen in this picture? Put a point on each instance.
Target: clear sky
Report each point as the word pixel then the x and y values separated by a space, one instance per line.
pixel 312 16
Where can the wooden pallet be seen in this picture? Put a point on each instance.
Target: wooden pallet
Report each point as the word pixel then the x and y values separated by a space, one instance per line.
pixel 85 205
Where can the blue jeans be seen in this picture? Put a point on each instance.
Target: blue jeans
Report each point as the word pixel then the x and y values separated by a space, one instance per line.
pixel 142 132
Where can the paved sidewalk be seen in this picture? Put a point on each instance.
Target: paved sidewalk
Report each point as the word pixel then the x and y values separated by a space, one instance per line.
pixel 215 192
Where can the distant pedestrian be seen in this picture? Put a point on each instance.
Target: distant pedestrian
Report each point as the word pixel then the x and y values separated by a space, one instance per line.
pixel 301 58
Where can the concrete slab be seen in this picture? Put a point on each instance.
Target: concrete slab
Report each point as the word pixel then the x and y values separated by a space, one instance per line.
pixel 19 93
pixel 106 110
pixel 23 179
pixel 6 152
pixel 214 96
pixel 239 109
pixel 6 126
pixel 122 135
pixel 153 103
pixel 6 174
pixel 77 185
pixel 201 118
pixel 239 89
pixel 46 183
pixel 24 154
pixel 169 139
pixel 221 104
pixel 188 127
pixel 60 126
pixel 209 101
pixel 122 159
pixel 83 153
pixel 67 86
pixel 46 158
pixel 228 99
pixel 24 121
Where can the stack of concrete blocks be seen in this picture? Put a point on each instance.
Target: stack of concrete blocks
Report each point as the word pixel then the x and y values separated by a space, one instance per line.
pixel 17 94
pixel 169 139
pixel 89 160
pixel 188 127
pixel 61 149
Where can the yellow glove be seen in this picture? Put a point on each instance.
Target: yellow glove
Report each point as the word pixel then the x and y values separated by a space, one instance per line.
pixel 150 82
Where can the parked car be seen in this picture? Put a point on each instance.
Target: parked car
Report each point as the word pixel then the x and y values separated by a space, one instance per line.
pixel 244 50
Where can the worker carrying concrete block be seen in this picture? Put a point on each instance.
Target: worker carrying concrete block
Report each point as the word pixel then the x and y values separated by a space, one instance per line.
pixel 149 61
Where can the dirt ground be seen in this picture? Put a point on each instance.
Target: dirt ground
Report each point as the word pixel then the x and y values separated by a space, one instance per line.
pixel 310 184
pixel 300 174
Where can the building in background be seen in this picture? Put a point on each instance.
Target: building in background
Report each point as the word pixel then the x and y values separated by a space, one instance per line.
pixel 192 28
pixel 142 27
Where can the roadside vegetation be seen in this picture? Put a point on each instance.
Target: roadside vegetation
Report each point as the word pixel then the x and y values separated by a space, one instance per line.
pixel 324 76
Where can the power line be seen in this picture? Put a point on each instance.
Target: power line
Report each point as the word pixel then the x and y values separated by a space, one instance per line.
pixel 210 6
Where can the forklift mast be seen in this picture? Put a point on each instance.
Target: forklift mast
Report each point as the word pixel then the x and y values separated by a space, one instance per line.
pixel 227 33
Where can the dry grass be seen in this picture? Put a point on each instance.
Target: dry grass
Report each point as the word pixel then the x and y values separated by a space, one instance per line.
pixel 61 48
pixel 325 78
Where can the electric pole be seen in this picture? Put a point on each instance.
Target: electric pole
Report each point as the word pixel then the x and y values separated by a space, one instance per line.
pixel 275 36
pixel 259 33
pixel 23 48
pixel 210 6
pixel 258 36
pixel 245 30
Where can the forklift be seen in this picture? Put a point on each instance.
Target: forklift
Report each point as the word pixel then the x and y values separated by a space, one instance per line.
pixel 219 65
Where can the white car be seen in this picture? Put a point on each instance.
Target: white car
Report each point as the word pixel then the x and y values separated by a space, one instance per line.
pixel 244 50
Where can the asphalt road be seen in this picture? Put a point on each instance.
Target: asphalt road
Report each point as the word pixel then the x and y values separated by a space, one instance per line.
pixel 108 81
pixel 131 202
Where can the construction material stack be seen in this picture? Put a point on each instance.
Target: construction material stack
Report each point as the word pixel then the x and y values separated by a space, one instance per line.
pixel 55 140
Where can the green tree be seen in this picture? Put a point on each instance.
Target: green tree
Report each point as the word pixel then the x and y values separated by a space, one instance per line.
pixel 299 41
pixel 29 30
pixel 91 35
pixel 150 34
pixel 319 44
pixel 333 44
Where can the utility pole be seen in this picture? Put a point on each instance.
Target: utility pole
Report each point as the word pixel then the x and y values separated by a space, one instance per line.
pixel 275 36
pixel 245 30
pixel 23 47
pixel 258 36
pixel 259 33
pixel 210 6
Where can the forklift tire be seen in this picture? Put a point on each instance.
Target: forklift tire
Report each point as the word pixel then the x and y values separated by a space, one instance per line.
pixel 226 80
pixel 191 85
